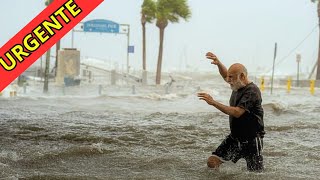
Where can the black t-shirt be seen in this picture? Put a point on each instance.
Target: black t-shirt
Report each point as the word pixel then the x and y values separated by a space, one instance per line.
pixel 250 124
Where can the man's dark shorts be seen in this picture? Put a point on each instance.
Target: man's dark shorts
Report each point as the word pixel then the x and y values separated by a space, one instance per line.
pixel 232 149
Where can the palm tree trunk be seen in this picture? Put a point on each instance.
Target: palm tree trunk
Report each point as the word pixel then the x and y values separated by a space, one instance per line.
pixel 158 76
pixel 318 67
pixel 144 64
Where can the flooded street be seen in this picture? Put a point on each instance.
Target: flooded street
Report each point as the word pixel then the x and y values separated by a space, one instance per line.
pixel 150 134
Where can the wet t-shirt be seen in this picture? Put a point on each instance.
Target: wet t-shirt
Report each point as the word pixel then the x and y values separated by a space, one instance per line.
pixel 250 124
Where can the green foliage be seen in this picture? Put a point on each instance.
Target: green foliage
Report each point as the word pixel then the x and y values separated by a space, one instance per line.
pixel 172 10
pixel 165 10
pixel 47 2
pixel 148 9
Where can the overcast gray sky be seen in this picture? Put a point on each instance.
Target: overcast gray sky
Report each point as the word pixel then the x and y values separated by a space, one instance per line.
pixel 237 31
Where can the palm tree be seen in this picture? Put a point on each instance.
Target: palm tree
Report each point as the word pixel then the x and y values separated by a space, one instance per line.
pixel 168 11
pixel 318 67
pixel 148 13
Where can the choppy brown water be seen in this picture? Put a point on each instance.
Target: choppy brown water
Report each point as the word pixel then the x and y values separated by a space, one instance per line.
pixel 149 137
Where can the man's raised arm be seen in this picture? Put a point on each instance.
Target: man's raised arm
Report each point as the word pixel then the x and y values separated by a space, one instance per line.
pixel 222 69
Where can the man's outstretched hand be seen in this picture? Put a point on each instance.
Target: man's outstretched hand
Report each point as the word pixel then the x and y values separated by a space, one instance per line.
pixel 206 97
pixel 213 57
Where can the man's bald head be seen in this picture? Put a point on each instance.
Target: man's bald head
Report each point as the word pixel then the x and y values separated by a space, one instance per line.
pixel 238 68
pixel 237 76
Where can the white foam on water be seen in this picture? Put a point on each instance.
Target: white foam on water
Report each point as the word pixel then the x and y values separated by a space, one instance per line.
pixel 11 155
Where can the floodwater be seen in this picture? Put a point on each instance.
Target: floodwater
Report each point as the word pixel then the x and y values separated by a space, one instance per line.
pixel 79 134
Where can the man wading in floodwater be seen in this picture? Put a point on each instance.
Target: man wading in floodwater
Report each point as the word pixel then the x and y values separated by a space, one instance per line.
pixel 245 118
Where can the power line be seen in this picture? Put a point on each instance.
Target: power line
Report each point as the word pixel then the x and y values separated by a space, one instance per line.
pixel 293 50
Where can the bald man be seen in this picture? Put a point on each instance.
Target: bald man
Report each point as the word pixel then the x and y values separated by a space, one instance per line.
pixel 245 118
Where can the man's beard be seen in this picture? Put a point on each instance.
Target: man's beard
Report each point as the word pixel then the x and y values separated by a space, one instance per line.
pixel 237 85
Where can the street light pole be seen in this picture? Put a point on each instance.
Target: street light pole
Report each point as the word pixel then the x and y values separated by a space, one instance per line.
pixel 274 59
pixel 128 44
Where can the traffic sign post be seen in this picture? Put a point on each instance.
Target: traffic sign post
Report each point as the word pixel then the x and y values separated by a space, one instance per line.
pixel 130 49
pixel 128 42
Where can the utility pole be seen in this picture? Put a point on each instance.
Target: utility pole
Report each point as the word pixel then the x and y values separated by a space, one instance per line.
pixel 298 58
pixel 128 44
pixel 46 73
pixel 57 57
pixel 318 60
pixel 274 60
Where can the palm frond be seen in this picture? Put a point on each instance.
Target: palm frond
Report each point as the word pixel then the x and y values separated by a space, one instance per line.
pixel 173 10
pixel 148 8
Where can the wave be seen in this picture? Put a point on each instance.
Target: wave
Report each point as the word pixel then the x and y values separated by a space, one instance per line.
pixel 150 96
pixel 54 176
pixel 275 107
pixel 299 126
pixel 76 151
pixel 170 97
pixel 28 128
pixel 275 153
pixel 278 108
pixel 313 156
pixel 6 156
pixel 89 139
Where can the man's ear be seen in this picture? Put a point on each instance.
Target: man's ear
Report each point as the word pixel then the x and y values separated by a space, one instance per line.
pixel 242 76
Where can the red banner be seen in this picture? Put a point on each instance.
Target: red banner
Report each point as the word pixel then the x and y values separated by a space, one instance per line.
pixel 39 35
